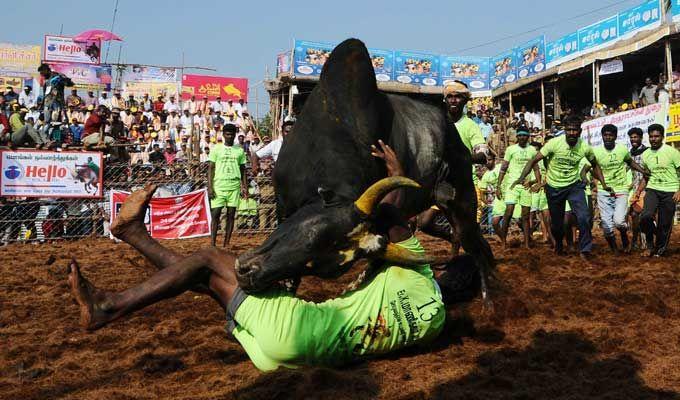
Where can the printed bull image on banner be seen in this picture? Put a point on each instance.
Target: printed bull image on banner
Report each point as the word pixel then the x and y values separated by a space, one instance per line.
pixel 175 217
pixel 474 71
pixel 383 64
pixel 66 49
pixel 309 57
pixel 416 68
pixel 503 69
pixel 35 173
pixel 530 57
pixel 213 86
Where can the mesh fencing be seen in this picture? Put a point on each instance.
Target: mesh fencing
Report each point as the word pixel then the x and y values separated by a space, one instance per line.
pixel 54 219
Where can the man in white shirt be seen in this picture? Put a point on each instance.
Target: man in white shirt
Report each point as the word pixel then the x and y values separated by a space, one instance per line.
pixel 648 93
pixel 203 105
pixel 27 98
pixel 172 121
pixel 187 121
pixel 199 119
pixel 117 101
pixel 190 106
pixel 240 108
pixel 104 100
pixel 272 149
pixel 171 105
pixel 217 105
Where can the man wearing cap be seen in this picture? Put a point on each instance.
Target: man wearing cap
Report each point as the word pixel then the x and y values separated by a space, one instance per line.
pixel 117 101
pixel 217 105
pixel 146 104
pixel 171 105
pixel 190 105
pixel 564 183
pixel 202 105
pixel 27 98
pixel 90 100
pixel 159 104
pixel 516 157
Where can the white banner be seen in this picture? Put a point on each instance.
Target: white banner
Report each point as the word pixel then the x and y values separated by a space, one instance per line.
pixel 611 67
pixel 65 49
pixel 639 117
pixel 35 173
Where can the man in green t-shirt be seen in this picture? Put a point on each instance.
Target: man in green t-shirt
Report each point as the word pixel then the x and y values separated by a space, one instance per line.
pixel 662 188
pixel 400 306
pixel 516 157
pixel 227 182
pixel 564 182
pixel 614 159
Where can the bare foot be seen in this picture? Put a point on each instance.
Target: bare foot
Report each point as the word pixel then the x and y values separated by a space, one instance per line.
pixel 131 214
pixel 87 296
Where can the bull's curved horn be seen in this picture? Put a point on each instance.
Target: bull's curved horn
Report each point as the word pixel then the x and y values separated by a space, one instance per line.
pixel 372 196
pixel 402 256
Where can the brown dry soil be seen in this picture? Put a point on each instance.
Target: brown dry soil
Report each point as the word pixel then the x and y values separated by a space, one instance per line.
pixel 559 330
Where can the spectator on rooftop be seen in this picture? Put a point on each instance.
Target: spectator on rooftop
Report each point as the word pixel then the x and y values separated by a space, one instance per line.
pixel 648 93
pixel 90 99
pixel 485 126
pixel 11 96
pixel 217 105
pixel 73 100
pixel 117 101
pixel 27 98
pixel 104 100
pixel 171 105
pixel 159 104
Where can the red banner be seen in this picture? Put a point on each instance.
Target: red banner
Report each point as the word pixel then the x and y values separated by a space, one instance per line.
pixel 213 86
pixel 176 217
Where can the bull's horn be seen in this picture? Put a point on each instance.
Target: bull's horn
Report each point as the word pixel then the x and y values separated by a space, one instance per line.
pixel 372 196
pixel 402 256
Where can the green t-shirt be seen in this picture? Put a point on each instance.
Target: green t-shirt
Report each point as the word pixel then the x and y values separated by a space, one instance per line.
pixel 469 132
pixel 563 169
pixel 663 164
pixel 15 122
pixel 228 161
pixel 400 307
pixel 614 167
pixel 490 178
pixel 517 158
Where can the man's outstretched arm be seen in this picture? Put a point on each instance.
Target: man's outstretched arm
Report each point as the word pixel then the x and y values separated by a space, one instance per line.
pixel 398 230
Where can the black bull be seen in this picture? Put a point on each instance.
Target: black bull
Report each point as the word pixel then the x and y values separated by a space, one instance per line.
pixel 325 165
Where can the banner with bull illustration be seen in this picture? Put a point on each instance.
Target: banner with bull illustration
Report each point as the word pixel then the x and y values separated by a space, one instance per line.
pixel 214 86
pixel 175 217
pixel 35 173
pixel 474 71
pixel 309 57
pixel 503 69
pixel 383 64
pixel 416 68
pixel 66 49
pixel 86 77
pixel 530 57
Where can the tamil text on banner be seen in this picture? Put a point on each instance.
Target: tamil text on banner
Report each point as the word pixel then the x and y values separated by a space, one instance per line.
pixel 599 34
pixel 140 73
pixel 673 131
pixel 65 49
pixel 153 89
pixel 309 57
pixel 502 69
pixel 84 76
pixel 175 217
pixel 611 67
pixel 530 57
pixel 638 117
pixel 34 173
pixel 416 68
pixel 383 64
pixel 645 16
pixel 19 60
pixel 474 71
pixel 214 86
pixel 562 50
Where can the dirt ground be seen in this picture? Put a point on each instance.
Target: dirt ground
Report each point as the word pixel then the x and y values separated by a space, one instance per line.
pixel 559 330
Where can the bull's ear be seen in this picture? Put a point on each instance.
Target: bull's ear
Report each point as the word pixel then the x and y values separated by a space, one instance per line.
pixel 327 195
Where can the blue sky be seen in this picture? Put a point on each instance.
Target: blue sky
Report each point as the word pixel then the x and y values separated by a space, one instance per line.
pixel 242 38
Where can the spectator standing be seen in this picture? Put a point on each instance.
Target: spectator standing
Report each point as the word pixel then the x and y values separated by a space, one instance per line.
pixel 105 100
pixel 648 93
pixel 171 105
pixel 217 105
pixel 486 127
pixel 159 104
pixel 117 101
pixel 90 100
pixel 190 106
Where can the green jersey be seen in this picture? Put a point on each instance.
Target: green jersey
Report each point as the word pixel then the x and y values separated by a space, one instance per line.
pixel 228 161
pixel 400 307
pixel 614 165
pixel 490 178
pixel 564 160
pixel 663 164
pixel 517 158
pixel 469 133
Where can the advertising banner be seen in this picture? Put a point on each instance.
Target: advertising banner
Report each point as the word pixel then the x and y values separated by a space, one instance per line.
pixel 214 86
pixel 283 63
pixel 310 57
pixel 675 10
pixel 673 131
pixel 598 34
pixel 35 173
pixel 138 73
pixel 639 117
pixel 562 49
pixel 474 71
pixel 416 68
pixel 175 217
pixel 154 89
pixel 16 83
pixel 383 64
pixel 646 15
pixel 65 49
pixel 84 76
pixel 19 60
pixel 502 69
pixel 611 67
pixel 530 57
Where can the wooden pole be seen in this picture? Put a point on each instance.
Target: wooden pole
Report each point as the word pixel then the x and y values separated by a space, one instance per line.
pixel 542 104
pixel 290 99
pixel 669 68
pixel 596 81
pixel 557 102
pixel 511 106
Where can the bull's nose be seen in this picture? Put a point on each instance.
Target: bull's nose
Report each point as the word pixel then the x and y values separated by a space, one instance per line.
pixel 245 269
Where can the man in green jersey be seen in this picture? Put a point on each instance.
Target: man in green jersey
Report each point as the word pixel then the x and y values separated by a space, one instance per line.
pixel 227 182
pixel 516 157
pixel 564 182
pixel 662 191
pixel 400 307
pixel 487 185
pixel 539 202
pixel 614 160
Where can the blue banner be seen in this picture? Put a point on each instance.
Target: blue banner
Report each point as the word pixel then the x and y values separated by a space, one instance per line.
pixel 675 10
pixel 383 64
pixel 416 68
pixel 310 57
pixel 644 15
pixel 474 71
pixel 562 49
pixel 530 57
pixel 598 34
pixel 502 69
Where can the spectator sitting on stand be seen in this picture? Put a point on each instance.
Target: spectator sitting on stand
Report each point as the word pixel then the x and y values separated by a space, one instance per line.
pixel 156 155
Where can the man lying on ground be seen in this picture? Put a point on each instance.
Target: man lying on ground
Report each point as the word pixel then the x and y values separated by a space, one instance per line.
pixel 399 307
